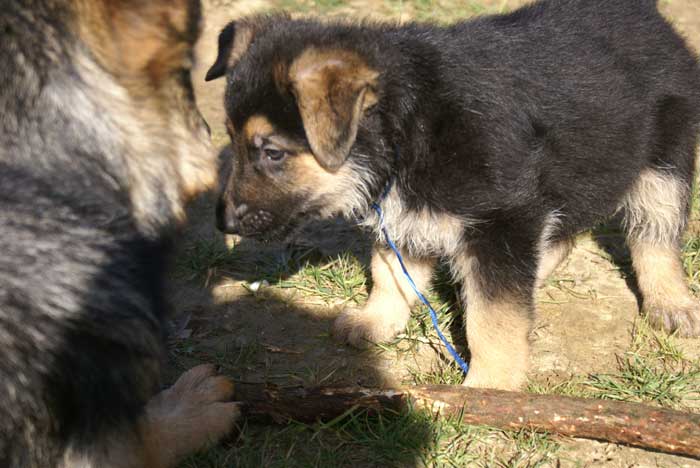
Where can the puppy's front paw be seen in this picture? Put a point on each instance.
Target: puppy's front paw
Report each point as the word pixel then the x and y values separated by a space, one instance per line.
pixel 361 327
pixel 195 412
pixel 683 320
pixel 506 381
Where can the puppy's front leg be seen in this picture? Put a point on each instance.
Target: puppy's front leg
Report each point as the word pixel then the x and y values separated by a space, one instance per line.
pixel 192 414
pixel 498 321
pixel 388 308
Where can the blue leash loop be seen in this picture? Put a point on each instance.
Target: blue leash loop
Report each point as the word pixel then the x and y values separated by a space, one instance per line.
pixel 423 299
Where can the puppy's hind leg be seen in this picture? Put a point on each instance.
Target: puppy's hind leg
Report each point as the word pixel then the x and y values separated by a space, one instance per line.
pixel 655 212
pixel 389 305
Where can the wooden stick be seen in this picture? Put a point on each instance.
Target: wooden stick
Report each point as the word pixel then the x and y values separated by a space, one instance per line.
pixel 613 421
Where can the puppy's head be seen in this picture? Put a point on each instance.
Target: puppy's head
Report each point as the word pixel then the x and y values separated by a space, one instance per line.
pixel 301 120
pixel 135 60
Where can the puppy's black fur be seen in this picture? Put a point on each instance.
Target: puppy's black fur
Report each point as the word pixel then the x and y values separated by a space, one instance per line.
pixel 506 136
pixel 81 270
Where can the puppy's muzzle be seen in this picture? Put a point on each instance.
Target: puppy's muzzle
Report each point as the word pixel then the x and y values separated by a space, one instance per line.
pixel 231 219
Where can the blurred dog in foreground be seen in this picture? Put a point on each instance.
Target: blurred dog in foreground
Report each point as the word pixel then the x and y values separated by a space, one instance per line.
pixel 498 139
pixel 100 146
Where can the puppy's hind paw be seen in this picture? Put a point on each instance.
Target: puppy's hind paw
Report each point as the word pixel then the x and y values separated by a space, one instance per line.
pixel 683 321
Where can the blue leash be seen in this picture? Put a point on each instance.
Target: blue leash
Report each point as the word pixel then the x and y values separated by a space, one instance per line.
pixel 423 299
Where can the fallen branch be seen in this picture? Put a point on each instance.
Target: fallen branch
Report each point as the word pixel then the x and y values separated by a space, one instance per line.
pixel 612 421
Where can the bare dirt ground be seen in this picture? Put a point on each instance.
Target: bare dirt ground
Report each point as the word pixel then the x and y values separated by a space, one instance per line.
pixel 280 333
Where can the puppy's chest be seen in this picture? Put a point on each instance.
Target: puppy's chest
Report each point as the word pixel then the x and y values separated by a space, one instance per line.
pixel 422 231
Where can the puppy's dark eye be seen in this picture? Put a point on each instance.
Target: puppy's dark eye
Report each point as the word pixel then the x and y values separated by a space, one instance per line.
pixel 274 154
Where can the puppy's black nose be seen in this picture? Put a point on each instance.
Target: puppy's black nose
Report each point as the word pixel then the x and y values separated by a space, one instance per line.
pixel 228 217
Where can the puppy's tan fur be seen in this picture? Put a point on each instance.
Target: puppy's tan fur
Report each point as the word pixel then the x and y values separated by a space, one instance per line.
pixel 130 70
pixel 667 302
pixel 654 214
pixel 188 416
pixel 654 208
pixel 388 309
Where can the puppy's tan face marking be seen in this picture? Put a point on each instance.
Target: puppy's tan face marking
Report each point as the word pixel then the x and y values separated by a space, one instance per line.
pixel 276 177
pixel 257 126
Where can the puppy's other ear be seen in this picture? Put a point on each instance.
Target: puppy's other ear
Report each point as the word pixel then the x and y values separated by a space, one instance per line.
pixel 226 40
pixel 333 88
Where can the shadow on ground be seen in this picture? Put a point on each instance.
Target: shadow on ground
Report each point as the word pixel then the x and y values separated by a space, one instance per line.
pixel 611 240
pixel 274 336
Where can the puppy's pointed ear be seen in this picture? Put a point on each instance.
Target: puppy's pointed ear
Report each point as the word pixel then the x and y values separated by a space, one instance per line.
pixel 333 88
pixel 226 40
pixel 235 39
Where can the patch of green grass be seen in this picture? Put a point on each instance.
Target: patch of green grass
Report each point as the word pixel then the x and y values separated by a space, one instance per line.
pixel 695 199
pixel 326 4
pixel 201 258
pixel 442 11
pixel 573 387
pixel 691 262
pixel 229 357
pixel 420 326
pixel 311 6
pixel 691 248
pixel 638 380
pixel 654 370
pixel 438 11
pixel 410 438
pixel 342 279
pixel 532 450
pixel 316 375
pixel 357 439
pixel 440 373
pixel 456 444
pixel 205 258
pixel 232 359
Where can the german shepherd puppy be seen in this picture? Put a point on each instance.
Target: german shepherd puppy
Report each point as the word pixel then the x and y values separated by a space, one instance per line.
pixel 499 139
pixel 100 146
